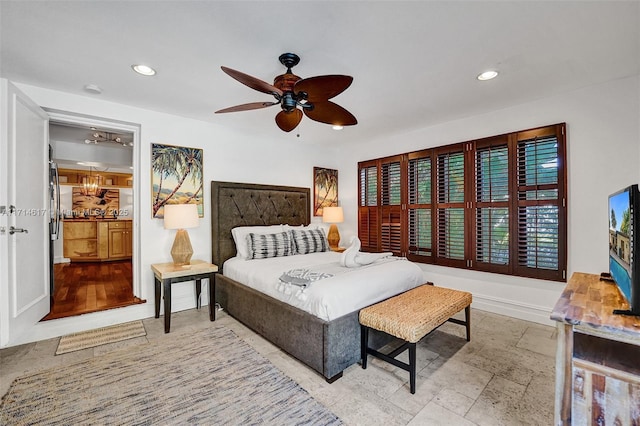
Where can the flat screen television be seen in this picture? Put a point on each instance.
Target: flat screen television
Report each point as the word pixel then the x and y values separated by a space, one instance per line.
pixel 624 246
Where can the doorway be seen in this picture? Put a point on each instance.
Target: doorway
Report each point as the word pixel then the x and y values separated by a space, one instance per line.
pixel 93 259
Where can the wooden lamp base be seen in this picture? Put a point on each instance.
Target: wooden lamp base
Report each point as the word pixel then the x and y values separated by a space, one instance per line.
pixel 181 251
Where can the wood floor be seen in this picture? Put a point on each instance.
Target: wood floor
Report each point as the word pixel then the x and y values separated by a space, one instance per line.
pixel 83 287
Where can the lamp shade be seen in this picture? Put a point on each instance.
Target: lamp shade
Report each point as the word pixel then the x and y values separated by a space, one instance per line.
pixel 181 216
pixel 332 215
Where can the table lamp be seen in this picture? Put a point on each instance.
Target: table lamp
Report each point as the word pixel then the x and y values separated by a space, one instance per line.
pixel 180 217
pixel 333 215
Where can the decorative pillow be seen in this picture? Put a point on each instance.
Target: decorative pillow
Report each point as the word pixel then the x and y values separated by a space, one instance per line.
pixel 287 227
pixel 241 233
pixel 262 246
pixel 309 241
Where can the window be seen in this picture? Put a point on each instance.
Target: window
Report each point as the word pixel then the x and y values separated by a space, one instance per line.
pixel 496 204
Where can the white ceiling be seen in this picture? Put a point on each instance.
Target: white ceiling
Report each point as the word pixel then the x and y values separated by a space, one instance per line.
pixel 414 63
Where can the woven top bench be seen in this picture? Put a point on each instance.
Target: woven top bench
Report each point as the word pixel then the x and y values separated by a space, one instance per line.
pixel 410 316
pixel 413 314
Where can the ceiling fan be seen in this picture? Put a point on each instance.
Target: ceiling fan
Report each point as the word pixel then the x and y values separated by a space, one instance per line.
pixel 311 95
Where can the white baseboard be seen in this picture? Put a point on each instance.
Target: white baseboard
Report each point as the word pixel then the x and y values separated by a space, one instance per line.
pixel 527 312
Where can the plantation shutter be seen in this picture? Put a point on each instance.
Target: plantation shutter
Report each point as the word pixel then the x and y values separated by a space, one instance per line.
pixel 368 228
pixel 391 202
pixel 450 208
pixel 491 199
pixel 419 220
pixel 496 204
pixel 541 252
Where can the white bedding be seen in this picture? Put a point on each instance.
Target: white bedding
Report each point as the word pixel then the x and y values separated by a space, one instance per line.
pixel 332 297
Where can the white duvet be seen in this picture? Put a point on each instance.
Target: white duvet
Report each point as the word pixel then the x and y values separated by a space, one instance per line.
pixel 332 297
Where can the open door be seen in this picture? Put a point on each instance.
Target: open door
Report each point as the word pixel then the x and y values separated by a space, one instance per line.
pixel 24 214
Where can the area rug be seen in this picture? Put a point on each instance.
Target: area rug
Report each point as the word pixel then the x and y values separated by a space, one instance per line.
pixel 208 376
pixel 100 336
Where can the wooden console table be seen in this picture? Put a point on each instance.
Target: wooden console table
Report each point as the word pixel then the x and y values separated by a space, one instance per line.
pixel 597 367
pixel 167 273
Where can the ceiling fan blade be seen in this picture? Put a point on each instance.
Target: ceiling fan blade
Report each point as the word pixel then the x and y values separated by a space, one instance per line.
pixel 323 87
pixel 254 83
pixel 330 113
pixel 288 121
pixel 247 107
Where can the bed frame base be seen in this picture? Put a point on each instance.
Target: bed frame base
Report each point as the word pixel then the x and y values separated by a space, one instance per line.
pixel 328 347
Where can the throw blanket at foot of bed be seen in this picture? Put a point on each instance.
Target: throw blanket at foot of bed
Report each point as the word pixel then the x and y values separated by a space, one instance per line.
pixel 296 281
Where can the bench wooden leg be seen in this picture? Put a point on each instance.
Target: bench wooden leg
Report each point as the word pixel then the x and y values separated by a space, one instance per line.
pixel 364 343
pixel 412 367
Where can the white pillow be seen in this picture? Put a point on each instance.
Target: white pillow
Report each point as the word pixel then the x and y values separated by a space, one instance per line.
pixel 302 227
pixel 241 233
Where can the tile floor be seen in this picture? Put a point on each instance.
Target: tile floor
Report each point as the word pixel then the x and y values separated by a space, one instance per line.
pixel 504 376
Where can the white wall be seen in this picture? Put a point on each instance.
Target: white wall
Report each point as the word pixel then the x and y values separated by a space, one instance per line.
pixel 228 156
pixel 603 146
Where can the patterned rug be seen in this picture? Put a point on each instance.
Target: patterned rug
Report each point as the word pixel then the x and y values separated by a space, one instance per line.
pixel 207 376
pixel 100 336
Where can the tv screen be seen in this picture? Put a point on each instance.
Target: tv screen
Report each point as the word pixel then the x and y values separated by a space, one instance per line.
pixel 623 244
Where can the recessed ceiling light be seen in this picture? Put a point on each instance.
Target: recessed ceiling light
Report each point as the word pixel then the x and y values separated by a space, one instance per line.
pixel 92 88
pixel 143 69
pixel 487 75
pixel 337 127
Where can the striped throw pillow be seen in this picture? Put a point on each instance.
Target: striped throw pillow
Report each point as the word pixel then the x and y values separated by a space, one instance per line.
pixel 310 241
pixel 262 246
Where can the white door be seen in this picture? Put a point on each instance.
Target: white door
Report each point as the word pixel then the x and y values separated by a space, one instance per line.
pixel 24 237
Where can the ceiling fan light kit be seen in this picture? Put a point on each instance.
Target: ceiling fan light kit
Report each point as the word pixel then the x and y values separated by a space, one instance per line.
pixel 296 96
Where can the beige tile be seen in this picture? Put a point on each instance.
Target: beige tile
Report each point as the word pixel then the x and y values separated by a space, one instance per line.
pixel 460 377
pixel 454 401
pixel 503 363
pixel 539 340
pixel 436 415
pixel 497 404
pixel 426 390
pixel 367 408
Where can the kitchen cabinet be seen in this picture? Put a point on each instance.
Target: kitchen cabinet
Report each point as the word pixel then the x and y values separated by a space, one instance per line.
pixel 120 239
pixel 98 240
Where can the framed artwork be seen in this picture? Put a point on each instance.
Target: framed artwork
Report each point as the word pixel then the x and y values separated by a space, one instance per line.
pixel 325 189
pixel 176 177
pixel 107 200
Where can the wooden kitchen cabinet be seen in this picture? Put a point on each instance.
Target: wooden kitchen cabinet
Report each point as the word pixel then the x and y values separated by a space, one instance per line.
pixel 597 370
pixel 97 240
pixel 80 240
pixel 120 240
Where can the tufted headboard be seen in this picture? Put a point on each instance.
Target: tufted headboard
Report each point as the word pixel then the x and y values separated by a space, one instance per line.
pixel 246 204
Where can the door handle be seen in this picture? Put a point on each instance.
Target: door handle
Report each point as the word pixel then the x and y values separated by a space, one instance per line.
pixel 13 230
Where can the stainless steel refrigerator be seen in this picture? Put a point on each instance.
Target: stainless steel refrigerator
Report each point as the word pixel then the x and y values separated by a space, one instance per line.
pixel 54 214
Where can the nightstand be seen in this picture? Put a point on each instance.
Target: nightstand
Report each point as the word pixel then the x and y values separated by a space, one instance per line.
pixel 166 274
pixel 338 249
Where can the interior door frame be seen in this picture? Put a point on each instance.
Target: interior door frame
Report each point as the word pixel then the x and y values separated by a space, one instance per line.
pixel 65 117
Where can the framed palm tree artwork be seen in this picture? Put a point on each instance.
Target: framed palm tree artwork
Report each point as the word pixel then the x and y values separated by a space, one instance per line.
pixel 325 189
pixel 176 177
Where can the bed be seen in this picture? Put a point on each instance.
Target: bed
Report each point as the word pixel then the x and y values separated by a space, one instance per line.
pixel 327 345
